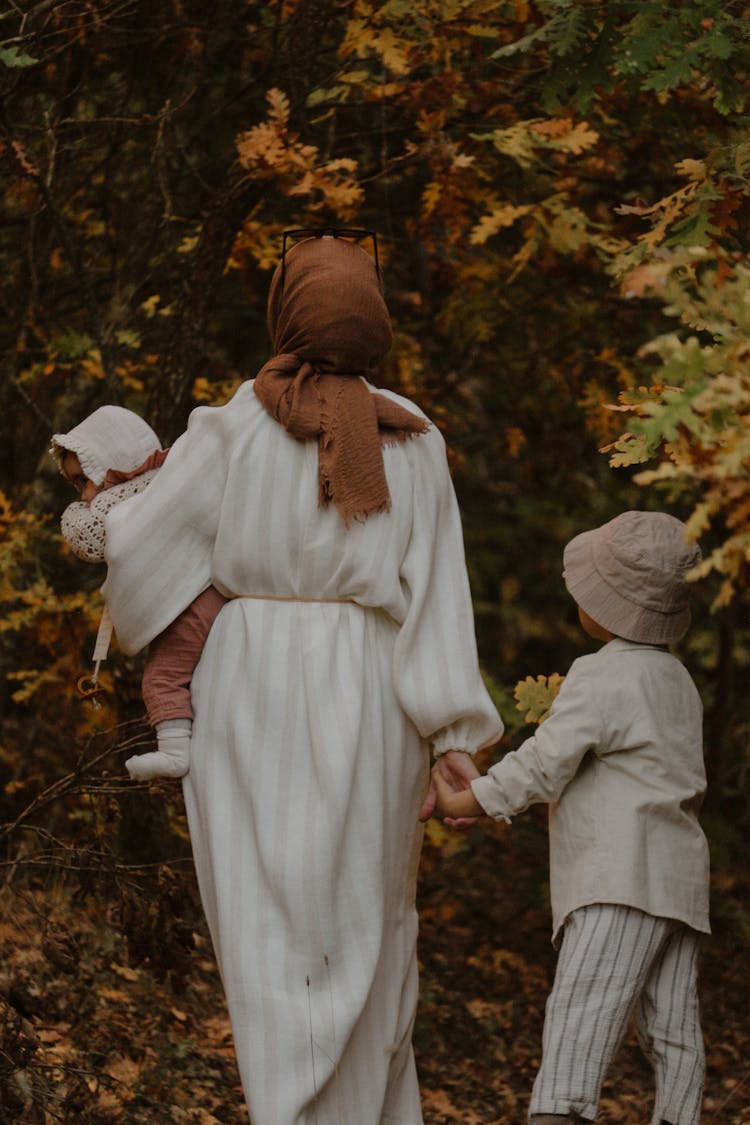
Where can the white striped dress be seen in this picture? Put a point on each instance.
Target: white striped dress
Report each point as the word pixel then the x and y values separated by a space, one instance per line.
pixel 343 653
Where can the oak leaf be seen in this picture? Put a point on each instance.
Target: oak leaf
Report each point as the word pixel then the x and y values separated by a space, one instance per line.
pixel 501 216
pixel 535 695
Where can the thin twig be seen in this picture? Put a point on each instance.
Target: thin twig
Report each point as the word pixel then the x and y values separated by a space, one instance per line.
pixel 64 784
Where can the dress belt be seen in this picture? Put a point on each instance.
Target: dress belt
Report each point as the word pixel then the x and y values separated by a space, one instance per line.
pixel 88 686
pixel 283 598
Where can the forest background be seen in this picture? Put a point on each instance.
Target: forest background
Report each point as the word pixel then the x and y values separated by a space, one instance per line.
pixel 561 192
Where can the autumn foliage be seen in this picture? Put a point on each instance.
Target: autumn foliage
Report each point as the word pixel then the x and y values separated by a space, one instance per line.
pixel 562 193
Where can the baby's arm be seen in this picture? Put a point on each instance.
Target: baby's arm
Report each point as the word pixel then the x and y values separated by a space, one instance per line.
pixel 82 522
pixel 172 660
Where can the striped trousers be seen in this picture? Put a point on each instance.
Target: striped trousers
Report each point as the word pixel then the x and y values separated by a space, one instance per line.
pixel 618 964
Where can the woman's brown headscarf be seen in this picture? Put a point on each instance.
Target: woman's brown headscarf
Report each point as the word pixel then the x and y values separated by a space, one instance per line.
pixel 329 326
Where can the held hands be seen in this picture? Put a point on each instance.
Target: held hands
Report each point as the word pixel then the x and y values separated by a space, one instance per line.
pixel 449 795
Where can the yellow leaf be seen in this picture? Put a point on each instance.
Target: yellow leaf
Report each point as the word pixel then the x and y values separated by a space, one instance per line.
pixel 555 127
pixel 124 971
pixel 568 231
pixel 363 39
pixel 515 438
pixel 693 169
pixel 269 151
pixel 446 841
pixel 431 197
pixel 534 697
pixel 391 51
pixel 114 994
pixel 188 244
pixel 278 105
pixel 92 364
pixel 503 216
pixel 149 306
pixel 578 139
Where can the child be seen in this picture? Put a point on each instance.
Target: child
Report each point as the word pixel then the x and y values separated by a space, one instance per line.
pixel 112 455
pixel 619 761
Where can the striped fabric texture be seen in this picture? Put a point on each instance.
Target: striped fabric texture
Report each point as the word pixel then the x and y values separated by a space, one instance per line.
pixel 617 964
pixel 310 739
pixel 619 760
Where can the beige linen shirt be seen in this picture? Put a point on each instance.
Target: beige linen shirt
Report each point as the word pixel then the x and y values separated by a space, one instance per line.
pixel 620 762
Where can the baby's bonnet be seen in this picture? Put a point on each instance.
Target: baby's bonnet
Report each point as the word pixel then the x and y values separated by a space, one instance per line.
pixel 110 438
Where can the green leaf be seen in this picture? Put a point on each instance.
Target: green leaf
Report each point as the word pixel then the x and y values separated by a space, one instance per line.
pixel 718 45
pixel 677 71
pixel 70 345
pixel 567 31
pixel 323 95
pixel 631 449
pixel 128 337
pixel 14 57
pixel 694 230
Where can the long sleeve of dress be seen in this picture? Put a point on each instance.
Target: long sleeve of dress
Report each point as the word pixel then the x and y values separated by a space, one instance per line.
pixel 173 657
pixel 160 544
pixel 436 667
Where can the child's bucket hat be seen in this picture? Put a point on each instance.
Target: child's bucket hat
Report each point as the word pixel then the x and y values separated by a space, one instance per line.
pixel 629 576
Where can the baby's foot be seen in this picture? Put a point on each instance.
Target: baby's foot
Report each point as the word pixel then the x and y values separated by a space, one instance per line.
pixel 160 763
pixel 172 759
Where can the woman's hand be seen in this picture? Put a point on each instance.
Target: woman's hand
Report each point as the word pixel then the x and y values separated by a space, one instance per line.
pixel 456 771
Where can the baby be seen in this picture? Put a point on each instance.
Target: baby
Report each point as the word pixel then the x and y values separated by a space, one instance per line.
pixel 112 455
pixel 619 761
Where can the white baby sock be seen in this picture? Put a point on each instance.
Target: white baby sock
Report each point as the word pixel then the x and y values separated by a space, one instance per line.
pixel 172 759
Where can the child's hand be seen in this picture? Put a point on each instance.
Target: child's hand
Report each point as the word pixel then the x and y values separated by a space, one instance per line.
pixel 453 804
pixel 458 769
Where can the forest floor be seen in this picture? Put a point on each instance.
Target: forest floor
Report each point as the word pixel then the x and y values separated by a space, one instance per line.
pixel 91 1036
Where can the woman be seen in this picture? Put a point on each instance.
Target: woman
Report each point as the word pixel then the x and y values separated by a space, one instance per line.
pixel 324 510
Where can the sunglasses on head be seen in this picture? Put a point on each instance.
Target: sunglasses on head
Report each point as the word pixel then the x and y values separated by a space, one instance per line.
pixel 349 234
